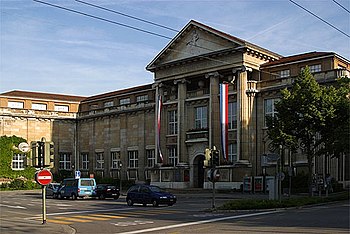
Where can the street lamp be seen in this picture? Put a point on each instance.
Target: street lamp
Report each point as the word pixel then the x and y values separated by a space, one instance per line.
pixel 120 176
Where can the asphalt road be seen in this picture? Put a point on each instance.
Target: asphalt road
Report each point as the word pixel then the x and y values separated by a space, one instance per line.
pixel 22 212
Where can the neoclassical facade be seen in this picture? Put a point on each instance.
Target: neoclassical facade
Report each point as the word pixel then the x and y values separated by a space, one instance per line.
pixel 124 134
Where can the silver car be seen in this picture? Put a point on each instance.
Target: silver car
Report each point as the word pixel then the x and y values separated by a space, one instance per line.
pixel 52 189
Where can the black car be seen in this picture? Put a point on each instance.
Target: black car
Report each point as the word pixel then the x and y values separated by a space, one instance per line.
pixel 149 194
pixel 103 191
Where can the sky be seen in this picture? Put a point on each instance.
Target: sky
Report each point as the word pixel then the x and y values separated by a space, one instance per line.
pixel 51 50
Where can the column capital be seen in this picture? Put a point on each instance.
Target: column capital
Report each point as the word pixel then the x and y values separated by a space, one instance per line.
pixel 213 74
pixel 181 81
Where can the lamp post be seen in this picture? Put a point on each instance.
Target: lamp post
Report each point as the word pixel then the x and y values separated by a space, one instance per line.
pixel 120 176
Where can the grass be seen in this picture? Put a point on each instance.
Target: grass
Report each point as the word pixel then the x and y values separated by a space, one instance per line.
pixel 252 204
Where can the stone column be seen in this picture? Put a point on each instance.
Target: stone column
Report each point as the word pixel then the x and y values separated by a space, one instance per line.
pixel 181 120
pixel 214 110
pixel 243 115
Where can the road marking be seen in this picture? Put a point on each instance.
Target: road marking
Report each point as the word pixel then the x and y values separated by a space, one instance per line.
pixel 90 218
pixel 58 221
pixel 136 222
pixel 16 207
pixel 199 222
pixel 108 216
pixel 62 204
pixel 74 219
pixel 82 212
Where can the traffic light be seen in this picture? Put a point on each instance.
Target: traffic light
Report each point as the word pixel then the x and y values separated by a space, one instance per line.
pixel 49 154
pixel 207 161
pixel 34 147
pixel 38 152
pixel 216 157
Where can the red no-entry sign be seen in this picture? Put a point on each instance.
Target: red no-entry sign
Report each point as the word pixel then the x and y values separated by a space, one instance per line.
pixel 43 177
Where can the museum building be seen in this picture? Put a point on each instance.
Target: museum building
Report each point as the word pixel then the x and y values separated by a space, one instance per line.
pixel 159 132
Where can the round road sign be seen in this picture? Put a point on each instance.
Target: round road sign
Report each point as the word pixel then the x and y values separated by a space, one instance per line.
pixel 43 177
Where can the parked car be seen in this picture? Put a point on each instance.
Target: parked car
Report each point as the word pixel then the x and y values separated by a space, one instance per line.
pixel 107 191
pixel 74 188
pixel 52 189
pixel 149 194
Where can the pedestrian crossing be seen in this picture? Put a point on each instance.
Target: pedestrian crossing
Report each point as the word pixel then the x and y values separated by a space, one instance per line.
pixel 88 218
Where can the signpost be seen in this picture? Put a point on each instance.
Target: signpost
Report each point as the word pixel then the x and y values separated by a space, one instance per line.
pixel 43 177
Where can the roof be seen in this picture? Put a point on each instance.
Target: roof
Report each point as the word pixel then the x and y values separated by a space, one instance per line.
pixel 39 95
pixel 119 92
pixel 298 57
pixel 214 31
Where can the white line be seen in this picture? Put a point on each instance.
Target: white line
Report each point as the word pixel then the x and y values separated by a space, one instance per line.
pixel 81 212
pixel 16 207
pixel 198 222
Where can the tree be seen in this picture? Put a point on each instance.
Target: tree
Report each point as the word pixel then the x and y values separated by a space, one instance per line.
pixel 301 116
pixel 336 132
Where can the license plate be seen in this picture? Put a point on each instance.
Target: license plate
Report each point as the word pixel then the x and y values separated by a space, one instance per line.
pixel 114 194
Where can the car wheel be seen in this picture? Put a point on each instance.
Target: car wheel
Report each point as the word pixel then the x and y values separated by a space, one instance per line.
pixel 59 196
pixel 170 204
pixel 55 196
pixel 130 202
pixel 74 197
pixel 155 203
pixel 144 204
pixel 116 197
pixel 102 196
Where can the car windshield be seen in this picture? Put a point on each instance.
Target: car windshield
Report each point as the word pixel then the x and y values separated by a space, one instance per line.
pixel 87 183
pixel 155 189
pixel 55 186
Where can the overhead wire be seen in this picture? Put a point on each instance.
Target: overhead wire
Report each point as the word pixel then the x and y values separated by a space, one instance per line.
pixel 103 19
pixel 341 6
pixel 324 21
pixel 127 15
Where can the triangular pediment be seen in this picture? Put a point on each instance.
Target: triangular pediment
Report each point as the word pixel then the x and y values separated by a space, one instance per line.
pixel 194 40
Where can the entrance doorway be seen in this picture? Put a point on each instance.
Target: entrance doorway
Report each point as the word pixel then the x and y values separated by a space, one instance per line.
pixel 198 171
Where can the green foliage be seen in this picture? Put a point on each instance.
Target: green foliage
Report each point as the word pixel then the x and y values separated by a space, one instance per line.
pixel 19 184
pixel 252 204
pixel 8 147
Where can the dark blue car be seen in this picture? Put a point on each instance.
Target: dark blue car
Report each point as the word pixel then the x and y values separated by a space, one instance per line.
pixel 149 194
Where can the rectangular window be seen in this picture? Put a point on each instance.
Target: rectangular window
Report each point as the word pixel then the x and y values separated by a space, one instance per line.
pixel 232 152
pixel 18 162
pixel 142 98
pixel 115 159
pixel 270 108
pixel 201 119
pixel 65 161
pixel 108 104
pixel 63 108
pixel 284 73
pixel 133 159
pixel 85 161
pixel 151 158
pixel 124 101
pixel 172 122
pixel 315 68
pixel 18 105
pixel 100 160
pixel 172 152
pixel 232 115
pixel 38 106
pixel 93 106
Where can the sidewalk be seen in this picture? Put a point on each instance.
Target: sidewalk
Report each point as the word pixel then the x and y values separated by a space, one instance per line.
pixel 221 194
pixel 33 226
